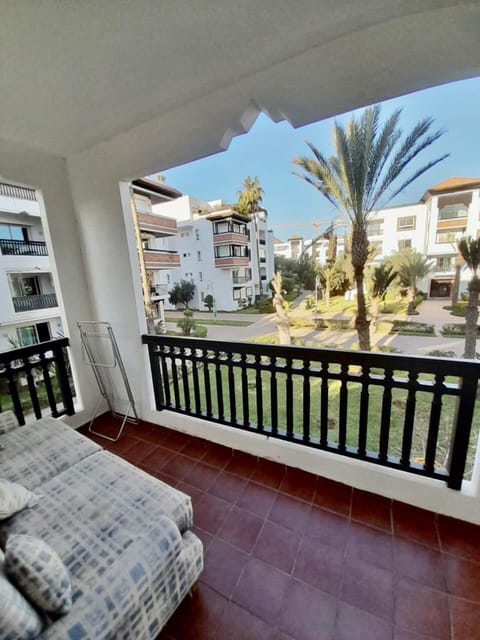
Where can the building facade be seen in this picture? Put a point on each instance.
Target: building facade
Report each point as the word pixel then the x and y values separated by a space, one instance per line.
pixel 28 302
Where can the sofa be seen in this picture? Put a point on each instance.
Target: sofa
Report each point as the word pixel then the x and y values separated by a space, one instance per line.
pixel 124 537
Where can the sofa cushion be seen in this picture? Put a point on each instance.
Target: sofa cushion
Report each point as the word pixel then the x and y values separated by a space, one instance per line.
pixel 14 498
pixel 18 619
pixel 38 572
pixel 37 452
pixel 8 422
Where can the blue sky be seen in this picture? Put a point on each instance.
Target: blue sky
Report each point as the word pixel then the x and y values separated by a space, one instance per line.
pixel 267 150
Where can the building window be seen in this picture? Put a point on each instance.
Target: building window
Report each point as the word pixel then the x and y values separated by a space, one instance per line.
pixel 33 334
pixel 405 243
pixel 197 234
pixel 375 228
pixel 200 276
pixel 378 246
pixel 450 236
pixel 407 222
pixel 444 263
pixel 452 211
pixel 202 296
pixel 237 294
pixel 13 232
pixel 199 256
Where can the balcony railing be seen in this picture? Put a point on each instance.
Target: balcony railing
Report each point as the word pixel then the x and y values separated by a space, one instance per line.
pixel 35 378
pixel 23 248
pixel 405 412
pixel 241 279
pixel 161 259
pixel 31 303
pixel 12 191
pixel 159 290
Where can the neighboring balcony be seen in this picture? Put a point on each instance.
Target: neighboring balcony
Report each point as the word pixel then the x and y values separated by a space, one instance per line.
pixel 159 290
pixel 230 256
pixel 159 226
pixel 34 302
pixel 161 259
pixel 23 248
pixel 230 238
pixel 241 279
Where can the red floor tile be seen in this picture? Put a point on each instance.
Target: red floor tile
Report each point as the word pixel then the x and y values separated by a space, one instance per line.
pixel 196 448
pixel 465 619
pixel 320 565
pixel 420 609
pixel 211 513
pixel 327 528
pixel 228 486
pixel 241 528
pixel 223 565
pixel 290 512
pixel 368 588
pixel 372 509
pixel 158 458
pixel 459 538
pixel 261 590
pixel 369 545
pixel 257 499
pixel 299 484
pixel 242 464
pixel 355 624
pixel 217 456
pixel 420 563
pixel 201 475
pixel 308 614
pixel 198 616
pixel 278 546
pixel 178 466
pixel 269 473
pixel 138 451
pixel 333 496
pixel 463 578
pixel 176 441
pixel 415 524
pixel 236 623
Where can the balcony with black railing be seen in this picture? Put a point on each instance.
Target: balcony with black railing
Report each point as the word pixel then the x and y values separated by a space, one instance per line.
pixel 410 413
pixel 34 302
pixel 23 248
pixel 37 379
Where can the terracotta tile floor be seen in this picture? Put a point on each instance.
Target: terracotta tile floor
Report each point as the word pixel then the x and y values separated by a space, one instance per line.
pixel 289 555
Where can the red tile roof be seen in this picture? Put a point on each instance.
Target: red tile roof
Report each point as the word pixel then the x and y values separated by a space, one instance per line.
pixel 452 184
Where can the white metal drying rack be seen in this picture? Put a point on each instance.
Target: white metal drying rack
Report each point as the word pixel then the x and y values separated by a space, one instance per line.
pixel 95 335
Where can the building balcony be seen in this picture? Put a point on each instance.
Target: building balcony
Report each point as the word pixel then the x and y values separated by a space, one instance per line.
pixel 230 238
pixel 159 226
pixel 159 291
pixel 241 279
pixel 232 262
pixel 23 248
pixel 161 259
pixel 32 303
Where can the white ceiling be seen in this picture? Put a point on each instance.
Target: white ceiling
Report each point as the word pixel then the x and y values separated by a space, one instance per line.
pixel 74 73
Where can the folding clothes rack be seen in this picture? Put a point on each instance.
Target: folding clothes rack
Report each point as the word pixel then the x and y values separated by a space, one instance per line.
pixel 100 351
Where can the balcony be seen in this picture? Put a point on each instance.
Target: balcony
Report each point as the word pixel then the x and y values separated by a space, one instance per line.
pixel 230 238
pixel 241 279
pixel 159 290
pixel 23 248
pixel 161 259
pixel 231 262
pixel 34 302
pixel 159 226
pixel 14 191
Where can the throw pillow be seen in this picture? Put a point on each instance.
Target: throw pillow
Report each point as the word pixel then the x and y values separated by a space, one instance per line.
pixel 8 422
pixel 14 497
pixel 38 572
pixel 18 619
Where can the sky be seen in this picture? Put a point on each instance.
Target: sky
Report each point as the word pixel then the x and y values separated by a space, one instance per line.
pixel 267 150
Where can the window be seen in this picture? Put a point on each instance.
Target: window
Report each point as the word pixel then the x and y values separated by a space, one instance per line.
pixel 200 276
pixel 378 246
pixel 407 222
pixel 237 294
pixel 450 236
pixel 202 295
pixel 13 232
pixel 199 256
pixel 452 211
pixel 24 286
pixel 444 263
pixel 197 234
pixel 405 243
pixel 33 334
pixel 375 228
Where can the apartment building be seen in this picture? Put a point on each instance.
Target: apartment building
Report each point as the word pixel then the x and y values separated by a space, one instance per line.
pixel 223 253
pixel 445 213
pixel 29 311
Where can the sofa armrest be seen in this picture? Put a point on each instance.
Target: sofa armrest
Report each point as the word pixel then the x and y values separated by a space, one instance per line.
pixel 137 594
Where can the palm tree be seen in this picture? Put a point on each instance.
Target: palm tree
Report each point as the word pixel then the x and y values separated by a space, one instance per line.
pixel 380 278
pixel 470 251
pixel 278 302
pixel 249 199
pixel 412 266
pixel 362 175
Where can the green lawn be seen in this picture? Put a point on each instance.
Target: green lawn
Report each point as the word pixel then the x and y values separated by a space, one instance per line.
pixel 225 323
pixel 6 400
pixel 399 396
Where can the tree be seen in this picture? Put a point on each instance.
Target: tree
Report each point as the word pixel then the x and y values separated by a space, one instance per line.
pixel 379 279
pixel 370 159
pixel 209 301
pixel 331 278
pixel 411 267
pixel 182 293
pixel 249 199
pixel 470 252
pixel 278 302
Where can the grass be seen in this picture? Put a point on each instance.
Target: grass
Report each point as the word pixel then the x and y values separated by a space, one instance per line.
pixel 224 323
pixel 24 394
pixel 399 397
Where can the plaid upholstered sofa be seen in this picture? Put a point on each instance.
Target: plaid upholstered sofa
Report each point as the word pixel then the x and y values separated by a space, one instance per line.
pixel 123 535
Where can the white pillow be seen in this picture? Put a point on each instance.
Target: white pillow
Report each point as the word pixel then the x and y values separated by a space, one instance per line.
pixel 14 497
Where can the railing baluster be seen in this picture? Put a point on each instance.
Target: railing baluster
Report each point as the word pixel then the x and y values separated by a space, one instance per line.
pixel 32 388
pixel 176 390
pixel 409 421
pixel 185 382
pixel 156 376
pixel 161 355
pixel 435 412
pixel 12 389
pixel 206 380
pixel 196 384
pixel 386 415
pixel 289 397
pixel 462 428
pixel 324 405
pixel 218 380
pixel 243 366
pixel 273 394
pixel 231 389
pixel 48 385
pixel 306 400
pixel 61 358
pixel 363 418
pixel 259 391
pixel 343 408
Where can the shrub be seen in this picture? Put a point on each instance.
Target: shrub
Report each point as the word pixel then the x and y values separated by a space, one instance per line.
pixel 386 348
pixel 200 331
pixel 406 327
pixel 336 324
pixel 209 301
pixel 187 324
pixel 455 329
pixel 301 322
pixel 265 306
pixel 438 353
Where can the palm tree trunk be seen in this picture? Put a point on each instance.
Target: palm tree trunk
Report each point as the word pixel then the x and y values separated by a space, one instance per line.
pixel 374 308
pixel 471 318
pixel 361 321
pixel 283 326
pixel 411 301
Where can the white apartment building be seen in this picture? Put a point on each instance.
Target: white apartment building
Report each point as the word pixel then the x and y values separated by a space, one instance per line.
pixel 445 213
pixel 223 253
pixel 29 311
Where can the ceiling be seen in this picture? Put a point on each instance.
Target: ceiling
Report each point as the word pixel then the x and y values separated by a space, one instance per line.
pixel 75 73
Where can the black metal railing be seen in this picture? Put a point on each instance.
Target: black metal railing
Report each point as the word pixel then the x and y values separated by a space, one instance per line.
pixel 407 412
pixel 35 378
pixel 30 303
pixel 12 191
pixel 23 248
